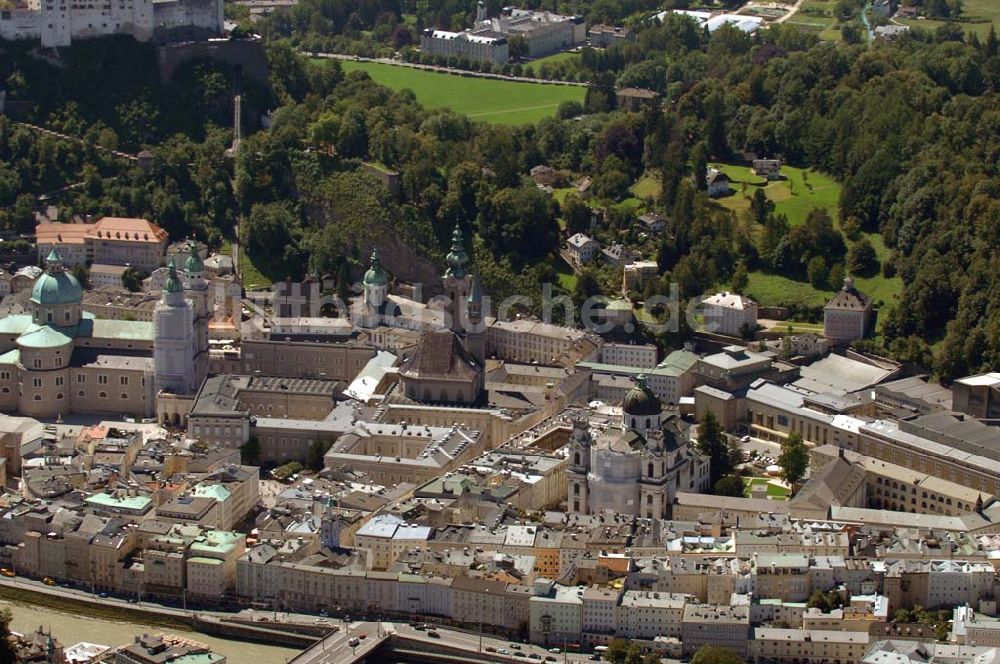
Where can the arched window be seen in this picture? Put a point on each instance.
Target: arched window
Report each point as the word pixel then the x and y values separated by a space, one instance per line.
pixel 81 394
pixel 102 395
pixel 649 499
pixel 59 396
pixel 38 397
pixel 649 470
pixel 576 459
pixel 444 395
pixel 576 489
pixel 647 423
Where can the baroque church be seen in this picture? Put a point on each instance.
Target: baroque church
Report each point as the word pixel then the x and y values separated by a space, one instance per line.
pixel 447 364
pixel 636 468
pixel 58 359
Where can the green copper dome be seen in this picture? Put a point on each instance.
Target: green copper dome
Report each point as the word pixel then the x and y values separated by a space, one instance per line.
pixel 193 264
pixel 173 283
pixel 376 276
pixel 640 400
pixel 457 258
pixel 56 286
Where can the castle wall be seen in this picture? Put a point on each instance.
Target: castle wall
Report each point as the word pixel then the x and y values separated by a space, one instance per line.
pixel 57 23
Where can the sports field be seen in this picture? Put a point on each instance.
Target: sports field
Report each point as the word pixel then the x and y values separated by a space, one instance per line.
pixel 483 99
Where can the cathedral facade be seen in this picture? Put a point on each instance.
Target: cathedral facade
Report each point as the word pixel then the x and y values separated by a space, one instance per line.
pixel 636 469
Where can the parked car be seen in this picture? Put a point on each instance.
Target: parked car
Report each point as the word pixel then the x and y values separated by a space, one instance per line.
pixel 433 634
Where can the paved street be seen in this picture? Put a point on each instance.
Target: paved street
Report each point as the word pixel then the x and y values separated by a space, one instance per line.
pixel 336 648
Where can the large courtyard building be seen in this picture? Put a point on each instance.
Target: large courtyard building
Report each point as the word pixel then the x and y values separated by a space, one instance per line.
pixel 138 243
pixel 489 38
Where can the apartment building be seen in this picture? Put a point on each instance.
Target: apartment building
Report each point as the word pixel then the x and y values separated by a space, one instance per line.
pixel 807 646
pixel 715 625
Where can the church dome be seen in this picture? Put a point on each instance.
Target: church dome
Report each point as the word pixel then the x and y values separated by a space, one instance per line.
pixel 640 400
pixel 376 276
pixel 56 286
pixel 193 264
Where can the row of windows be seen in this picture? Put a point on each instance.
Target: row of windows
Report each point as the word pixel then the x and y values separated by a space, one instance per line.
pixel 81 379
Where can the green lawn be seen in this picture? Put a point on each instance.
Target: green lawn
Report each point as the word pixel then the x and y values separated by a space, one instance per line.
pixel 565 56
pixel 817 16
pixel 797 194
pixel 774 289
pixel 774 490
pixel 801 191
pixel 252 277
pixel 488 100
pixel 977 15
pixel 647 186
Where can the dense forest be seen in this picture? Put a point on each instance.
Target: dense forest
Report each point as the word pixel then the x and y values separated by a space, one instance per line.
pixel 911 130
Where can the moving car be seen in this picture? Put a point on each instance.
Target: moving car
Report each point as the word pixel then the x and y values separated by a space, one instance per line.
pixel 49 581
pixel 354 642
pixel 433 634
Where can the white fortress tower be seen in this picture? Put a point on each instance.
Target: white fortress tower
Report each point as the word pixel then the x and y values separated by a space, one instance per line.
pixel 174 339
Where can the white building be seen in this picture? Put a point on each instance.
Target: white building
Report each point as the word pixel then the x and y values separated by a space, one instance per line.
pixel 646 614
pixel 473 46
pixel 556 616
pixel 630 355
pixel 730 314
pixel 582 248
pixel 106 276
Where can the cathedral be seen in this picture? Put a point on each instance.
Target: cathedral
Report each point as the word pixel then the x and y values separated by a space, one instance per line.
pixel 636 468
pixel 58 359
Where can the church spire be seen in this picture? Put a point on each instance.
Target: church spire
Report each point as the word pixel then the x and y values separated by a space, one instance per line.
pixel 457 258
pixel 173 282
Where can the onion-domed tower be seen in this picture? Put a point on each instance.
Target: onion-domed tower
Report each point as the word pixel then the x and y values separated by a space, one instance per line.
pixel 641 409
pixel 457 280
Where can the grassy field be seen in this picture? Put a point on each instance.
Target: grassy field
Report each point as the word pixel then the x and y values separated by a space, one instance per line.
pixel 487 100
pixel 817 16
pixel 565 56
pixel 252 277
pixel 647 186
pixel 801 191
pixel 775 491
pixel 797 194
pixel 774 289
pixel 977 16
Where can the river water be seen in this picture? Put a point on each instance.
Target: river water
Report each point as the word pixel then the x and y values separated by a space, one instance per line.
pixel 70 628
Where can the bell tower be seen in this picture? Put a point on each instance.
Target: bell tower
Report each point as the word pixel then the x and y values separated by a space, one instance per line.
pixel 578 486
pixel 174 340
pixel 457 280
